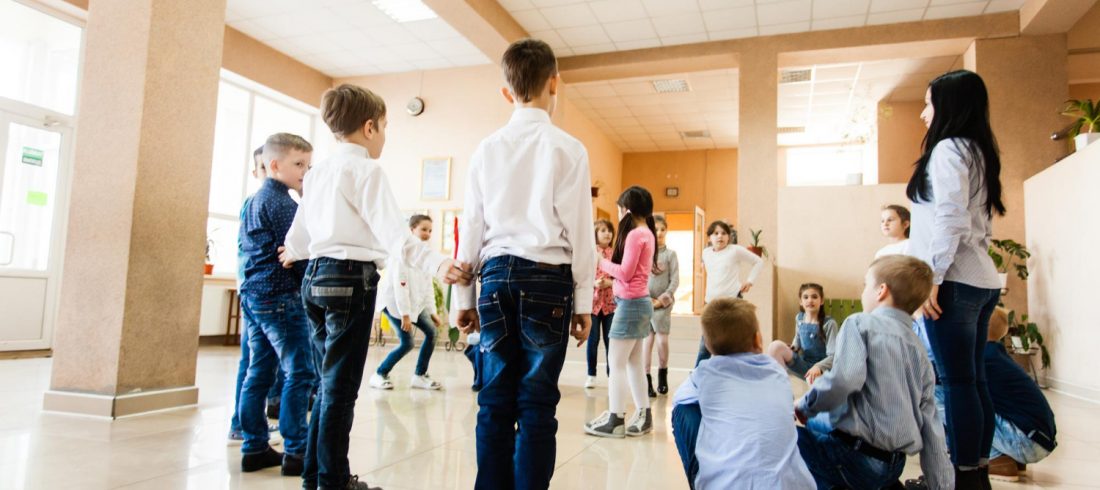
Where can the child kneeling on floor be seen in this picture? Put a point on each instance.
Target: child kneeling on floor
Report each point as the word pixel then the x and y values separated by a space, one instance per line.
pixel 732 419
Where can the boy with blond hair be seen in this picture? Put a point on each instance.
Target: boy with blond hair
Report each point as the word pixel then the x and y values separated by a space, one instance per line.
pixel 527 225
pixel 732 417
pixel 880 393
pixel 348 225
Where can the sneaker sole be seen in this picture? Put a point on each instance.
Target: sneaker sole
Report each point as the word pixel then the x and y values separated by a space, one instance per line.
pixel 428 388
pixel 597 433
pixel 1004 478
pixel 639 434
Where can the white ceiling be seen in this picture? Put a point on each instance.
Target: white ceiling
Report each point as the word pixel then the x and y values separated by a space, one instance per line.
pixel 344 38
pixel 575 27
pixel 637 118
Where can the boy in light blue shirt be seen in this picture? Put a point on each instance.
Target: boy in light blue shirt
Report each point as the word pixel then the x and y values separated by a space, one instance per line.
pixel 733 419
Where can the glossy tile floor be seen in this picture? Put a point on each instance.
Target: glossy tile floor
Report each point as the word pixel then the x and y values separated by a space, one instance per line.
pixel 402 439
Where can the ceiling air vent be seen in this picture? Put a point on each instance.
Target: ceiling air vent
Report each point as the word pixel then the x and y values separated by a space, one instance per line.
pixel 791 129
pixel 702 133
pixel 794 76
pixel 669 86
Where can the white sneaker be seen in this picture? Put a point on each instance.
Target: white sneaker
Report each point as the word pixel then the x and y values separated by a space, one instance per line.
pixel 590 383
pixel 425 382
pixel 379 382
pixel 607 425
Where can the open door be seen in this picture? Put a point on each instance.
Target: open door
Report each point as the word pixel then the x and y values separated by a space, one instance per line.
pixel 700 242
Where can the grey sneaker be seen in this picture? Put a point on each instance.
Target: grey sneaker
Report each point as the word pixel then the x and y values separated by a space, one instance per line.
pixel 355 484
pixel 607 425
pixel 642 424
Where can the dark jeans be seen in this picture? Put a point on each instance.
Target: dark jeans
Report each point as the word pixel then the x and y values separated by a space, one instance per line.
pixel 242 369
pixel 278 336
pixel 835 464
pixel 958 342
pixel 601 326
pixel 339 297
pixel 685 430
pixel 425 324
pixel 473 353
pixel 525 310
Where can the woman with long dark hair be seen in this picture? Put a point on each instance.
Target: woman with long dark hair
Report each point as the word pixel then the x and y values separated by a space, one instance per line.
pixel 956 190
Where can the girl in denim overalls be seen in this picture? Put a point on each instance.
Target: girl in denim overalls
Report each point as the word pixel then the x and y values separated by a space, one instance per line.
pixel 811 353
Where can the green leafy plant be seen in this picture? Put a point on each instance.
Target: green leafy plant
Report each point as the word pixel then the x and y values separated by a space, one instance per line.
pixel 1087 113
pixel 756 247
pixel 1008 255
pixel 1029 334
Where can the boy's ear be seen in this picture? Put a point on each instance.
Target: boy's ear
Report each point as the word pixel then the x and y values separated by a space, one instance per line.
pixel 369 129
pixel 883 292
pixel 758 343
pixel 508 95
pixel 553 83
pixel 272 167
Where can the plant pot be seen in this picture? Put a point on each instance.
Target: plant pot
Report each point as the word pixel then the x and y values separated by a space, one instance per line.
pixel 756 250
pixel 1004 279
pixel 208 269
pixel 1084 139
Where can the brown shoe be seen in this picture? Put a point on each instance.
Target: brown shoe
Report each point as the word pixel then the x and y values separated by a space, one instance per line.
pixel 1003 468
pixel 1021 468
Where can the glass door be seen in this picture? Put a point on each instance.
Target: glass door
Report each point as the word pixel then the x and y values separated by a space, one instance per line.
pixel 31 198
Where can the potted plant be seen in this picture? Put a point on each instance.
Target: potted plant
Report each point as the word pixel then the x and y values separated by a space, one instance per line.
pixel 1025 337
pixel 208 268
pixel 1086 128
pixel 756 247
pixel 1008 254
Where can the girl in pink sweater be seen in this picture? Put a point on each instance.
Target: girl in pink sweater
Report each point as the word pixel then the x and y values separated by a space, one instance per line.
pixel 630 266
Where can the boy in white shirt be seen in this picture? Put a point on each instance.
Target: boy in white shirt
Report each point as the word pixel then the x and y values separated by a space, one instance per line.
pixel 348 224
pixel 527 226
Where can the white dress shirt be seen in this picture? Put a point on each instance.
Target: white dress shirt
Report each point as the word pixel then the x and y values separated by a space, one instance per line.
pixel 406 291
pixel 528 195
pixel 348 212
pixel 724 270
pixel 898 248
pixel 951 232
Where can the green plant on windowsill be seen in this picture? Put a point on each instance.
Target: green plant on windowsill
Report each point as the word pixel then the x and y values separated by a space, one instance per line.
pixel 1009 255
pixel 1028 333
pixel 1087 113
pixel 756 247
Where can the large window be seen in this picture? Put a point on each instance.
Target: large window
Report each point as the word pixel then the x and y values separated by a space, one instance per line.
pixel 40 56
pixel 247 114
pixel 831 165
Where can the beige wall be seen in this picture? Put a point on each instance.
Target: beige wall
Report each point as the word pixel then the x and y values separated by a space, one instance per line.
pixel 1085 91
pixel 1084 35
pixel 1063 268
pixel 706 178
pixel 463 106
pixel 900 132
pixel 827 235
pixel 260 63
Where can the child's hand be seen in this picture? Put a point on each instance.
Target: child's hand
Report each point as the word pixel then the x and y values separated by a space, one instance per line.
pixel 437 320
pixel 455 272
pixel 284 257
pixel 579 328
pixel 468 321
pixel 406 323
pixel 657 303
pixel 746 287
pixel 813 374
pixel 931 308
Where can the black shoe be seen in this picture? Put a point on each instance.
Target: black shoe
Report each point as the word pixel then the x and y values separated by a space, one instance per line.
pixel 292 465
pixel 968 480
pixel 649 383
pixel 355 484
pixel 662 381
pixel 258 461
pixel 983 479
pixel 273 411
pixel 915 484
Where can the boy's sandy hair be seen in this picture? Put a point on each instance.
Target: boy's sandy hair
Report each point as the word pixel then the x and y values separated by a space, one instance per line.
pixel 346 108
pixel 998 324
pixel 278 144
pixel 528 65
pixel 908 278
pixel 730 326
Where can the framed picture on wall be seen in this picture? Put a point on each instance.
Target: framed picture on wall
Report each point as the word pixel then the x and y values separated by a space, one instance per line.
pixel 450 220
pixel 435 179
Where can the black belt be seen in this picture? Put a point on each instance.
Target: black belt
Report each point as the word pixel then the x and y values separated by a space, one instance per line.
pixel 865 448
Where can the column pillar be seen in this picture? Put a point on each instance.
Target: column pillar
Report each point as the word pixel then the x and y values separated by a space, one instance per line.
pixel 126 338
pixel 757 172
pixel 1028 83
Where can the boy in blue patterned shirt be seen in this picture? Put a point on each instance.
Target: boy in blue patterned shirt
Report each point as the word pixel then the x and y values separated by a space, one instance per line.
pixel 278 333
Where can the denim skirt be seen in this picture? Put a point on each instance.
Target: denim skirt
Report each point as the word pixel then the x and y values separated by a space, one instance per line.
pixel 631 319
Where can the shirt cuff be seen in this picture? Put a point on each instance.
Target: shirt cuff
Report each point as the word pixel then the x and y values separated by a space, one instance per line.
pixel 465 297
pixel 582 301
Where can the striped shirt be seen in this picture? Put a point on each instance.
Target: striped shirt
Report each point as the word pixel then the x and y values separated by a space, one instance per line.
pixel 951 232
pixel 882 389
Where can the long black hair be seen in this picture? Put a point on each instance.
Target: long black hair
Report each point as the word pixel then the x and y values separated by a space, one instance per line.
pixel 639 202
pixel 961 110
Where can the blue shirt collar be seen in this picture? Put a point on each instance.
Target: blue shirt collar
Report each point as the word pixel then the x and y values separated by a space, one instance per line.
pixel 275 185
pixel 893 314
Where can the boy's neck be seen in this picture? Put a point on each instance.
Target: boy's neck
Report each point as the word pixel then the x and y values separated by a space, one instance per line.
pixel 355 139
pixel 541 102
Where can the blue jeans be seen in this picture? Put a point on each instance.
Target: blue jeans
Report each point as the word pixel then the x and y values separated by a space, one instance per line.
pixel 473 353
pixel 686 420
pixel 278 336
pixel 834 464
pixel 339 298
pixel 601 325
pixel 242 369
pixel 525 310
pixel 1008 440
pixel 958 342
pixel 425 324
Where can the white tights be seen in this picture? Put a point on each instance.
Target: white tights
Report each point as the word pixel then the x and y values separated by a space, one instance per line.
pixel 661 340
pixel 625 357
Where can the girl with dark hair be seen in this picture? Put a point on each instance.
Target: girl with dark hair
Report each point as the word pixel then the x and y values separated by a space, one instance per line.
pixel 722 262
pixel 630 265
pixel 603 302
pixel 955 190
pixel 895 223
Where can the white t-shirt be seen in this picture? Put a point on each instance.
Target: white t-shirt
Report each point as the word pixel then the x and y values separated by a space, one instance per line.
pixel 724 270
pixel 898 248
